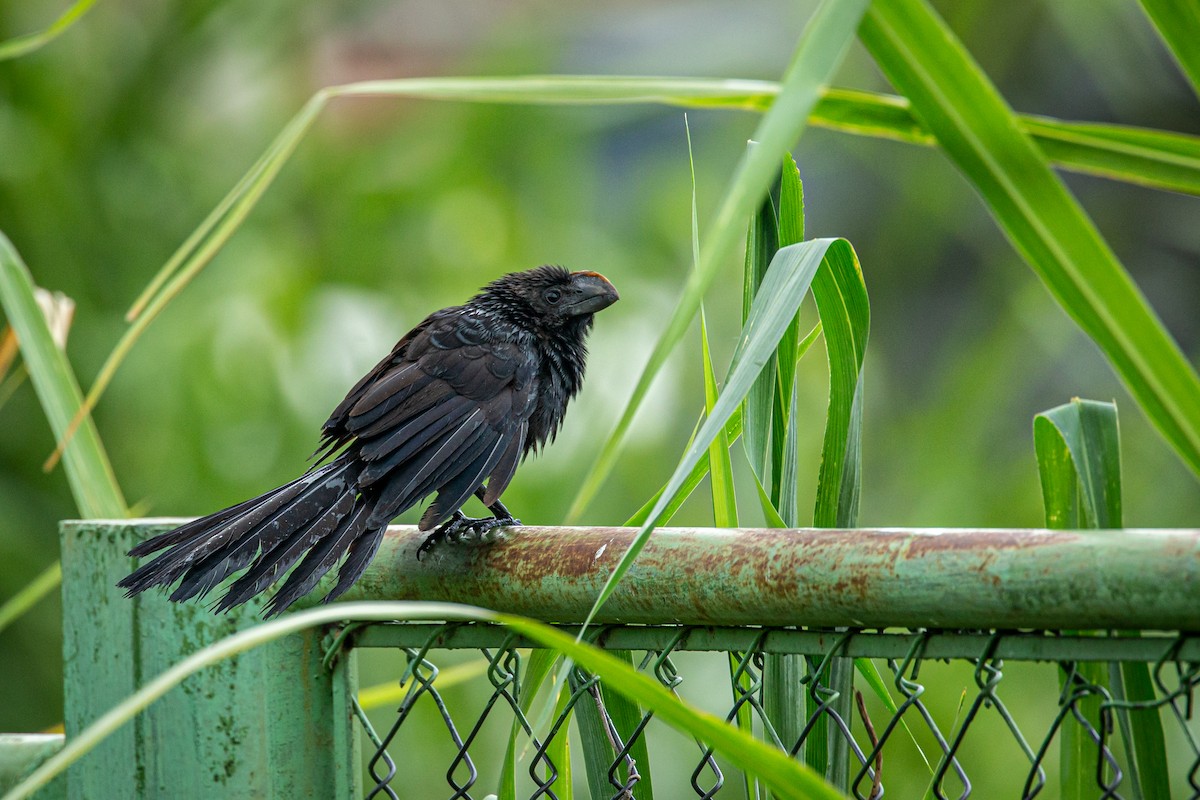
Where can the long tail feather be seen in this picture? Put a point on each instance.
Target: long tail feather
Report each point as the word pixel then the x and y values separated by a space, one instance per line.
pixel 320 513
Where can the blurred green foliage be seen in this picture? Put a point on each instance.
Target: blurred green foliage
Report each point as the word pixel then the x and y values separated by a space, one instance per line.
pixel 119 137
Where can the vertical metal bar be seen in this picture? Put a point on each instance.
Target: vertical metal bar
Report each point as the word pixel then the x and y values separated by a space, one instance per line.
pixel 347 746
pixel 258 725
pixel 100 659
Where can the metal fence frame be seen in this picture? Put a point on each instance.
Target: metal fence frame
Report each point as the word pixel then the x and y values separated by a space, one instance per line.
pixel 235 730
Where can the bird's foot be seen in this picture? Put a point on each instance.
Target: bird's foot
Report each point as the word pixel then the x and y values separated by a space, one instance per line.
pixel 488 529
pixel 461 528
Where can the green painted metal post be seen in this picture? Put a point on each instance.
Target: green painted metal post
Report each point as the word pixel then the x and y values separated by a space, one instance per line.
pixel 263 724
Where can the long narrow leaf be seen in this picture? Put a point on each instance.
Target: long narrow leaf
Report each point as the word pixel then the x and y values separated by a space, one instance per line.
pixel 89 473
pixel 762 242
pixel 782 291
pixel 720 465
pixel 841 297
pixel 1079 463
pixel 770 515
pixel 785 777
pixel 821 49
pixel 733 429
pixel 1065 464
pixel 784 698
pixel 537 667
pixel 1079 460
pixel 785 428
pixel 1178 22
pixel 1153 158
pixel 1159 159
pixel 22 45
pixel 28 596
pixel 959 105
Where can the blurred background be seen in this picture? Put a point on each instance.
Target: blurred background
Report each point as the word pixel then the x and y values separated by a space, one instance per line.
pixel 117 139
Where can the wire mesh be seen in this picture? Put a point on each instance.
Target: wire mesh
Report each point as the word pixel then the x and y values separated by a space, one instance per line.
pixel 1097 710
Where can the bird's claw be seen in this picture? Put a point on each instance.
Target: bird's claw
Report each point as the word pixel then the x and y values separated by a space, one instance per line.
pixel 461 528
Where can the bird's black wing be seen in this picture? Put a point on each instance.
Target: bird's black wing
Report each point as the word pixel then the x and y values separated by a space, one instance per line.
pixel 447 410
pixel 335 433
pixel 447 413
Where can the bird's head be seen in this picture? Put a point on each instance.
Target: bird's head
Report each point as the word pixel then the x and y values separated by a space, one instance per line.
pixel 554 296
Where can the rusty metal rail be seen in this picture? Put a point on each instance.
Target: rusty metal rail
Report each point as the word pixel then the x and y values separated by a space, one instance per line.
pixel 283 720
pixel 927 578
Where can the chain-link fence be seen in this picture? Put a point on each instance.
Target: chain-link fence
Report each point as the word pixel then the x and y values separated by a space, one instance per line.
pixel 879 741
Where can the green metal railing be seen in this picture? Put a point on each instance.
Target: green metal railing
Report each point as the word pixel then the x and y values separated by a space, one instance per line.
pixel 941 612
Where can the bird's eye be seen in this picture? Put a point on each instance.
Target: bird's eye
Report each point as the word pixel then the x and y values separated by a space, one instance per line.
pixel 552 296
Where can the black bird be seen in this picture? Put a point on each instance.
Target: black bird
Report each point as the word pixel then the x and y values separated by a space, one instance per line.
pixel 461 399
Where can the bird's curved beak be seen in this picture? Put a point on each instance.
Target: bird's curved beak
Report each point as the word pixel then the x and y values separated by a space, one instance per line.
pixel 593 293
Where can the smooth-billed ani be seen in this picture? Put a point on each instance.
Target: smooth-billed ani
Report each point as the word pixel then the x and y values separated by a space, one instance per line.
pixel 461 399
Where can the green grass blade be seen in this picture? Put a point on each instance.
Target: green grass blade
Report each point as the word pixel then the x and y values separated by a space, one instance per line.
pixel 559 750
pixel 770 514
pixel 1060 487
pixel 1063 464
pixel 720 465
pixel 733 429
pixel 821 49
pixel 1158 159
pixel 762 242
pixel 841 297
pixel 21 45
pixel 89 473
pixel 1178 22
pixel 626 715
pixel 784 776
pixel 537 667
pixel 1079 462
pixel 29 595
pixel 1143 732
pixel 785 434
pixel 599 749
pixel 921 57
pixel 1153 158
pixel 782 291
pixel 739 681
pixel 593 741
pixel 1079 459
pixel 784 699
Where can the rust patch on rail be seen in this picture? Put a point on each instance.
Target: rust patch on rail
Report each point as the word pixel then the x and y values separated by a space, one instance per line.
pixel 574 554
pixel 983 541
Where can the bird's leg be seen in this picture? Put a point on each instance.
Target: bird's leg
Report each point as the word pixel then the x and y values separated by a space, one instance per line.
pixel 489 529
pixel 486 529
pixel 460 527
pixel 450 531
